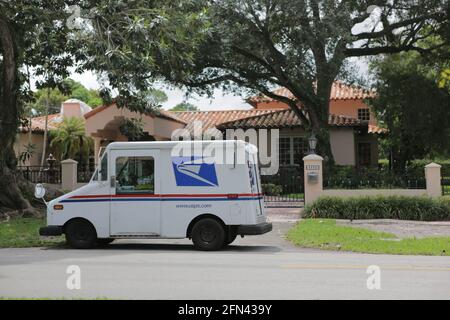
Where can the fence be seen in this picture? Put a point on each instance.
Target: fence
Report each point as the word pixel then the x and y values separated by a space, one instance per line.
pixel 84 173
pixel 38 174
pixel 432 186
pixel 375 182
pixel 445 182
pixel 285 186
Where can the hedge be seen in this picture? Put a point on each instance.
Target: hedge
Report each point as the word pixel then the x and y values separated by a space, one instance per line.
pixel 380 207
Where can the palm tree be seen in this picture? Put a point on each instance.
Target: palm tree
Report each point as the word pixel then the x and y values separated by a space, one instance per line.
pixel 70 139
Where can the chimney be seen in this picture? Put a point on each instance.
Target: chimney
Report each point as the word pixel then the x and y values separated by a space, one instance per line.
pixel 74 108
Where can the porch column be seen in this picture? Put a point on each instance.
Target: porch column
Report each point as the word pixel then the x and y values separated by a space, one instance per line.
pixel 433 179
pixel 69 174
pixel 313 177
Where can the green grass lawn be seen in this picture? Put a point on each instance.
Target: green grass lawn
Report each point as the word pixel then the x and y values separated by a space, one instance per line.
pixel 24 232
pixel 325 234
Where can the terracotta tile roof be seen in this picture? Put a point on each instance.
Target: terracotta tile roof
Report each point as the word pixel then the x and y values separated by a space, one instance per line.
pixel 159 113
pixel 284 119
pixel 211 119
pixel 376 129
pixel 339 91
pixel 38 123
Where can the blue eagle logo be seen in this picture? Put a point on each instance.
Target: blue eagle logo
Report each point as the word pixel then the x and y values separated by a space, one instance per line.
pixel 194 172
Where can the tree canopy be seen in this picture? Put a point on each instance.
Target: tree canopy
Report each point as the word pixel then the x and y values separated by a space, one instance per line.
pixel 257 45
pixel 184 106
pixel 412 107
pixel 55 97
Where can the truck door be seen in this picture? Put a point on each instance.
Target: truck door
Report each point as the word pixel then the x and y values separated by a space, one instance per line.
pixel 135 186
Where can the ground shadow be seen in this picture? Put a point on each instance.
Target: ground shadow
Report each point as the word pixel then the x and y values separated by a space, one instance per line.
pixel 169 247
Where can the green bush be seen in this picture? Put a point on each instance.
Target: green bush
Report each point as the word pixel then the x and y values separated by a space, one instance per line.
pixel 271 189
pixel 380 207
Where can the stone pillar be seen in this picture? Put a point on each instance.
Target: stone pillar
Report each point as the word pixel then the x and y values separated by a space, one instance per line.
pixel 433 178
pixel 97 143
pixel 68 174
pixel 313 177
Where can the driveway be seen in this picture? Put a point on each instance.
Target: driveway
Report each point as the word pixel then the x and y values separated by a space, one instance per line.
pixel 259 267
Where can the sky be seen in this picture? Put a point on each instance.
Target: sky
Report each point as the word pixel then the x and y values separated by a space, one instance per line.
pixel 220 100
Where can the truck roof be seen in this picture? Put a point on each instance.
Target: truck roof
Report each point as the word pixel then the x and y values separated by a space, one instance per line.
pixel 171 144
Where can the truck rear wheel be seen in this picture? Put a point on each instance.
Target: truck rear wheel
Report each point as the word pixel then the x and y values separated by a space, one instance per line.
pixel 208 235
pixel 81 234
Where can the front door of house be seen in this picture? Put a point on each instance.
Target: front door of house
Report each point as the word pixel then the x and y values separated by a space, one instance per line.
pixel 135 184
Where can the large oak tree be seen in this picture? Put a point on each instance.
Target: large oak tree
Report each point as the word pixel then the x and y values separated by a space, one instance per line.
pixel 261 44
pixel 33 34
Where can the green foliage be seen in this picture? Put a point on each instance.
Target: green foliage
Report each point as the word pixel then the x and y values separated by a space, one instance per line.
pixel 185 106
pixel 54 97
pixel 271 189
pixel 47 96
pixel 89 96
pixel 132 128
pixel 251 47
pixel 134 43
pixel 412 107
pixel 327 235
pixel 24 232
pixel 380 207
pixel 25 155
pixel 70 140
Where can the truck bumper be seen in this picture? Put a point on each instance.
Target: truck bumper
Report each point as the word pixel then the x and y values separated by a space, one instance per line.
pixel 254 229
pixel 51 231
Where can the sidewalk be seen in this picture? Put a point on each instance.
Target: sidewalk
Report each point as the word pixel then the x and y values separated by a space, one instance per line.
pixel 283 214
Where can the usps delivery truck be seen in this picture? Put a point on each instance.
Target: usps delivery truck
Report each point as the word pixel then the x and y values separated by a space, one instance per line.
pixel 154 190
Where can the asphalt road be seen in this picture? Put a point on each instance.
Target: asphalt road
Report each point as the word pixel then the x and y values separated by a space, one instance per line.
pixel 262 267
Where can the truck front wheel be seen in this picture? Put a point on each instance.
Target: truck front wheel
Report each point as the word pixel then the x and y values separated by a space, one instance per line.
pixel 80 234
pixel 208 235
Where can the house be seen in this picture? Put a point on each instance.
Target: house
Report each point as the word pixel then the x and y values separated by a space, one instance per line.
pixel 33 132
pixel 352 125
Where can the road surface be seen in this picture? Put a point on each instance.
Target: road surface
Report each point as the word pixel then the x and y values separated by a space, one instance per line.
pixel 264 267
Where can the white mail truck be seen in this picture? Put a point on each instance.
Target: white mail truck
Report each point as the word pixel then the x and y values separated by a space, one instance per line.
pixel 207 191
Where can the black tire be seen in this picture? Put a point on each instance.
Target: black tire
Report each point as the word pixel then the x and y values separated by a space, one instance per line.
pixel 81 234
pixel 104 241
pixel 208 235
pixel 230 238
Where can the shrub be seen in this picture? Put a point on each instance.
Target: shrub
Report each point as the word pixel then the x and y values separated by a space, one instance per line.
pixel 271 189
pixel 380 207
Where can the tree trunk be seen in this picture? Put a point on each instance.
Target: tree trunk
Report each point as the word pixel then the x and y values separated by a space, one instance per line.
pixel 11 197
pixel 44 143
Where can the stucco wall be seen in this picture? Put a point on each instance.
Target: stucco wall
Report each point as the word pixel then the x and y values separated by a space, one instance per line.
pixel 343 146
pixel 22 140
pixel 105 123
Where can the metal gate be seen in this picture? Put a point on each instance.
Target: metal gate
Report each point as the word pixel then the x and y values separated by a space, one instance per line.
pixel 284 189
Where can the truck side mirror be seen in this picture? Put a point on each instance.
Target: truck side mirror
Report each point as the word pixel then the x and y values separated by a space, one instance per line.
pixel 39 191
